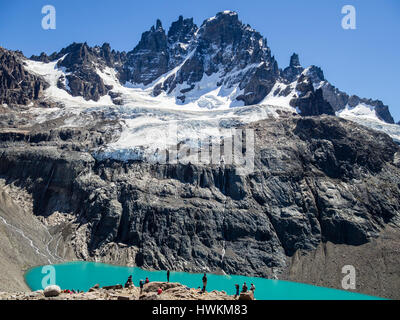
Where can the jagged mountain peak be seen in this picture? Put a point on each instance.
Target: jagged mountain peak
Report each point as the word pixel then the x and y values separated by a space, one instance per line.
pixel 223 63
pixel 226 15
pixel 226 29
pixel 294 69
pixel 182 30
pixel 81 49
pixel 154 39
pixel 315 73
pixel 158 24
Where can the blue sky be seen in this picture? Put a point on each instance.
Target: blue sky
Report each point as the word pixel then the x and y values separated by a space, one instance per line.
pixel 365 61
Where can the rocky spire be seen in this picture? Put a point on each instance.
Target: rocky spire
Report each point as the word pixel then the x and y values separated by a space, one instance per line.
pixel 294 69
pixel 158 24
pixel 294 60
pixel 181 30
pixel 149 59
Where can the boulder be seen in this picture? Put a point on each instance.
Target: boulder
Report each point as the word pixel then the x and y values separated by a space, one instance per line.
pixel 153 286
pixel 149 296
pixel 94 288
pixel 249 295
pixel 115 287
pixel 52 291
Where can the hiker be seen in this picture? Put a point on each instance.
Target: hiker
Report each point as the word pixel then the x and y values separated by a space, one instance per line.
pixel 237 290
pixel 159 291
pixel 129 282
pixel 147 280
pixel 167 275
pixel 252 288
pixel 204 282
pixel 244 288
pixel 141 285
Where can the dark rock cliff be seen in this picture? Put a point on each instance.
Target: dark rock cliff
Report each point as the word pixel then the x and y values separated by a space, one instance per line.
pixel 315 180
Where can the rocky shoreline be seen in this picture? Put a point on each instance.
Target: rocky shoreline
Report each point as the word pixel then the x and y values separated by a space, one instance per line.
pixel 170 291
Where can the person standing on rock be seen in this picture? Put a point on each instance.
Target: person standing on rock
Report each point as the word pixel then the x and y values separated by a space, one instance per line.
pixel 167 275
pixel 147 280
pixel 237 290
pixel 244 288
pixel 204 282
pixel 252 288
pixel 141 285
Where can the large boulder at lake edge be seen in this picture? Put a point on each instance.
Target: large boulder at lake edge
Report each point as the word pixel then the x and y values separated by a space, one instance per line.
pixel 52 291
pixel 249 295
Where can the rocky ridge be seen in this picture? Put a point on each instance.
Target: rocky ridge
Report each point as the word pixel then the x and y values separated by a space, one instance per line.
pixel 17 86
pixel 222 53
pixel 171 291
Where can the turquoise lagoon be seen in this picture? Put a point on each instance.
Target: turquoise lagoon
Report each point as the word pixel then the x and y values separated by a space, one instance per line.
pixel 82 275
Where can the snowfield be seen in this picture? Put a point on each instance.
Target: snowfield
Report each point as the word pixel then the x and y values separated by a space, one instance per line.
pixel 365 115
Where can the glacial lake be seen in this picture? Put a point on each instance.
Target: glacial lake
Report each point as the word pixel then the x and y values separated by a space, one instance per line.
pixel 83 275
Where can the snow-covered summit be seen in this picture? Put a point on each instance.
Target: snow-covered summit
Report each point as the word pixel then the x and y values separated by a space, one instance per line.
pixel 191 75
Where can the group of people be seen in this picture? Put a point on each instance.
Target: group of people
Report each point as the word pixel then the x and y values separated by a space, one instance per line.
pixel 244 288
pixel 129 283
pixel 72 291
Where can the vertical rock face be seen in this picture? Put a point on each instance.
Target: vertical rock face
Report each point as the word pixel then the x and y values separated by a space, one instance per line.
pixel 17 86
